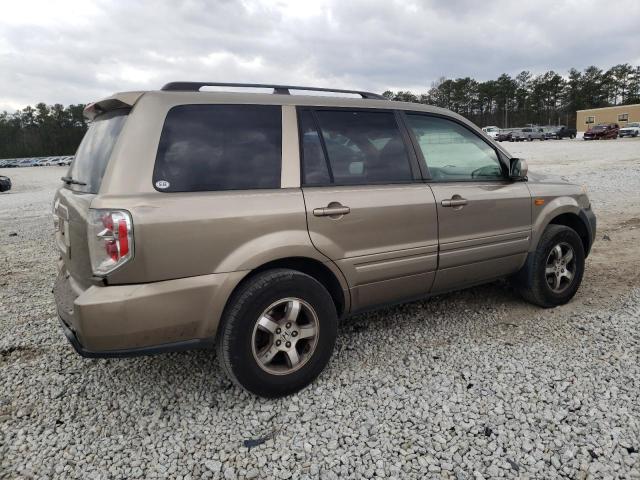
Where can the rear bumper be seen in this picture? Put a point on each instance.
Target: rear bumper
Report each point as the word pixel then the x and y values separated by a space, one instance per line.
pixel 131 352
pixel 142 319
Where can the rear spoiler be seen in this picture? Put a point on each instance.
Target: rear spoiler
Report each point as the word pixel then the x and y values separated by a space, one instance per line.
pixel 114 102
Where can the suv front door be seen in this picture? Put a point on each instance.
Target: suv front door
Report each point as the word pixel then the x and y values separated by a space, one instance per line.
pixel 367 209
pixel 484 218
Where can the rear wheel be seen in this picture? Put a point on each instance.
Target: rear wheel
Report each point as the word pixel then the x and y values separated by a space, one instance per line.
pixel 277 333
pixel 553 273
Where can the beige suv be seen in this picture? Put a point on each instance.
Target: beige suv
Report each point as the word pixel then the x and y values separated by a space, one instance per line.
pixel 255 221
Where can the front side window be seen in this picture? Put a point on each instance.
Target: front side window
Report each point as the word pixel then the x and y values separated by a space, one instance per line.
pixel 362 148
pixel 219 147
pixel 452 152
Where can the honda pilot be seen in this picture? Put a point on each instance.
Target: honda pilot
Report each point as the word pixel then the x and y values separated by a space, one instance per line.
pixel 253 222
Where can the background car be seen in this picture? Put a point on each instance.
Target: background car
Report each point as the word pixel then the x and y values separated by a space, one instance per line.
pixel 26 162
pixel 560 132
pixel 5 184
pixel 529 134
pixel 9 163
pixel 504 136
pixel 631 130
pixel 603 131
pixel 492 131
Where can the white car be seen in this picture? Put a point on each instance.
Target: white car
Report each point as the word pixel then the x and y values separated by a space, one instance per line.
pixel 631 130
pixel 492 131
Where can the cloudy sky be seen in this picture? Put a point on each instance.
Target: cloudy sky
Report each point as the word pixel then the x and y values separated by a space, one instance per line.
pixel 78 51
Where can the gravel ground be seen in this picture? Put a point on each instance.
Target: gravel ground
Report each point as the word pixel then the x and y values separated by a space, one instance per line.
pixel 474 384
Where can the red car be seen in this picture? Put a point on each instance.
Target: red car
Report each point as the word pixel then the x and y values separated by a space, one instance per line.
pixel 602 132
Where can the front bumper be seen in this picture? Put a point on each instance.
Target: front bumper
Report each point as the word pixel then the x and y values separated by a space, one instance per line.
pixel 589 219
pixel 140 319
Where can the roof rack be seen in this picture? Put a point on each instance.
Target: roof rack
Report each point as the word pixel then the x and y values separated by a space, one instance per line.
pixel 277 89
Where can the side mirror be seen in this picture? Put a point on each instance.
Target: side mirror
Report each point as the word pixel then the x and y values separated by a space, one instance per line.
pixel 518 169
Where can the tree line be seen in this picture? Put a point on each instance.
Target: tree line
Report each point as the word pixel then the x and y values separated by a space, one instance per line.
pixel 545 99
pixel 46 130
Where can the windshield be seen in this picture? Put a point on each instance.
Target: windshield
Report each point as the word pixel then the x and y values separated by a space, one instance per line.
pixel 93 154
pixel 634 124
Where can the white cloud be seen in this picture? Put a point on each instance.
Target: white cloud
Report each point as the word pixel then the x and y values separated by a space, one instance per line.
pixel 78 51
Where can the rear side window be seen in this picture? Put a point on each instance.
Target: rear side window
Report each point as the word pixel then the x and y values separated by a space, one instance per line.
pixel 314 165
pixel 219 147
pixel 93 154
pixel 362 148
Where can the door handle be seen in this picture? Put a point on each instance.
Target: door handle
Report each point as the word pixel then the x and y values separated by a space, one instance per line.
pixel 454 202
pixel 331 211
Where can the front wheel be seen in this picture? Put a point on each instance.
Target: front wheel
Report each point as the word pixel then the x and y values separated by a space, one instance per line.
pixel 552 274
pixel 277 333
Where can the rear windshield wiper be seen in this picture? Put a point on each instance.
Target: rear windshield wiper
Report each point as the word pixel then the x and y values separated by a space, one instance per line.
pixel 71 181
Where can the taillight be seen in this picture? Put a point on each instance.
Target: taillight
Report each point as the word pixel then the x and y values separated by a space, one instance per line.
pixel 110 235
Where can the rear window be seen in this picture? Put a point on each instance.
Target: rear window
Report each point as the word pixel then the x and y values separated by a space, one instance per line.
pixel 94 151
pixel 219 147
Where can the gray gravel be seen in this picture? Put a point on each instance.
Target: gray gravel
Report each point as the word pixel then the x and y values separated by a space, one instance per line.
pixel 474 384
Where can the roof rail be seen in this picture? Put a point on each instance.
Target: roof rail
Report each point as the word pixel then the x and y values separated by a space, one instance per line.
pixel 277 89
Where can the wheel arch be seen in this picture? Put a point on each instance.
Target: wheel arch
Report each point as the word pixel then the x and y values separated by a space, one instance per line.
pixel 328 275
pixel 569 217
pixel 576 223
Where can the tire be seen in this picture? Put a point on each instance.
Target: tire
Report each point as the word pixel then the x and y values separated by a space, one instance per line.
pixel 241 342
pixel 572 136
pixel 533 282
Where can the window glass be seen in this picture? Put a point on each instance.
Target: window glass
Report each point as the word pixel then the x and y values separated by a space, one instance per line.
pixel 364 147
pixel 452 152
pixel 92 157
pixel 219 147
pixel 314 165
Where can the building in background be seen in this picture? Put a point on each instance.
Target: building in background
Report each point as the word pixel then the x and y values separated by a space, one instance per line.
pixel 620 114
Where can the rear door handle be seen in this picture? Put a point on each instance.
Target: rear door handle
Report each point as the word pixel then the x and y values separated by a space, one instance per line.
pixel 454 202
pixel 331 211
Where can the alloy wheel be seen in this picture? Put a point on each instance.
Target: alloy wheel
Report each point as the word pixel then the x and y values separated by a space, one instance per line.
pixel 560 268
pixel 285 336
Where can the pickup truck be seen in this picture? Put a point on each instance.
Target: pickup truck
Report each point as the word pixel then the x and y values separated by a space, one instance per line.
pixel 631 130
pixel 529 133
pixel 558 133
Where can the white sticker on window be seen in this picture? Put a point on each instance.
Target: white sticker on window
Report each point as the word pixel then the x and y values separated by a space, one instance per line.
pixel 162 184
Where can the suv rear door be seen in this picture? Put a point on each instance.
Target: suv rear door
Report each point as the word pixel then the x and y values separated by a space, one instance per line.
pixel 367 209
pixel 484 218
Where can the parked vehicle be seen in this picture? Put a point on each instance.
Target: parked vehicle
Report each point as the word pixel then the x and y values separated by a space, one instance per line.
pixel 504 136
pixel 558 133
pixel 9 163
pixel 255 221
pixel 631 130
pixel 529 134
pixel 26 162
pixel 492 131
pixel 5 183
pixel 603 131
